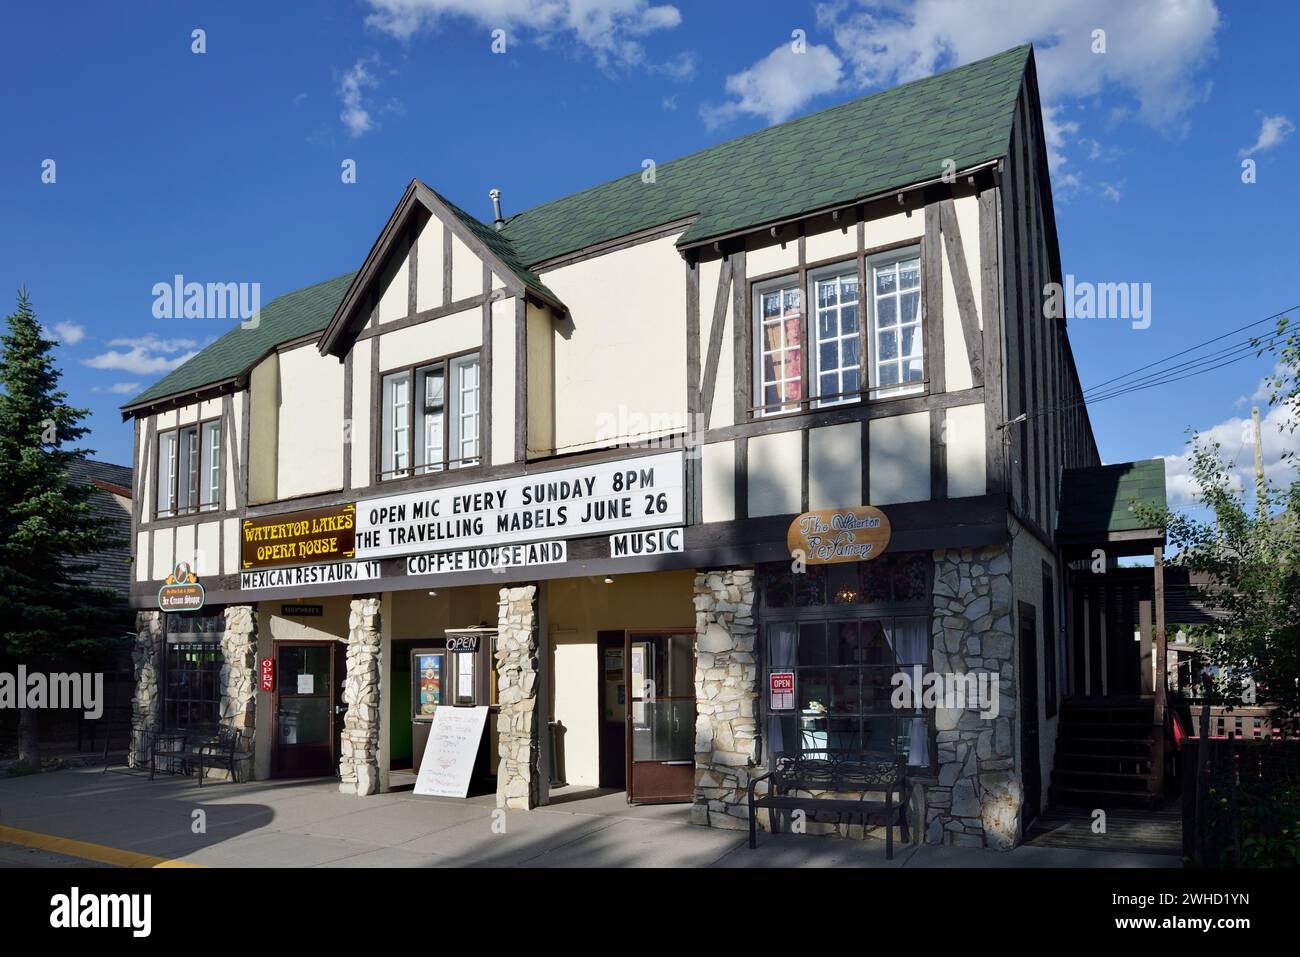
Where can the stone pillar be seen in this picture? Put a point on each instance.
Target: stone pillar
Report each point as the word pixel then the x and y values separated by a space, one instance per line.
pixel 359 748
pixel 976 801
pixel 726 688
pixel 239 678
pixel 518 776
pixel 146 704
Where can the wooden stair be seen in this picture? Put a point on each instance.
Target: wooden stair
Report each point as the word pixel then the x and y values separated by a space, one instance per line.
pixel 1103 754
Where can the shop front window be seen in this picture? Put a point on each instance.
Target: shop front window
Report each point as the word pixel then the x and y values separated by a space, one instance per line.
pixel 844 631
pixel 192 669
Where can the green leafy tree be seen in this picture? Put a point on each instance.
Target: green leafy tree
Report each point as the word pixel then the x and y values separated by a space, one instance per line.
pixel 48 533
pixel 1251 558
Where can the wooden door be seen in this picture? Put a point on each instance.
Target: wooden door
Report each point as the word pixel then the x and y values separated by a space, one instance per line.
pixel 660 669
pixel 308 690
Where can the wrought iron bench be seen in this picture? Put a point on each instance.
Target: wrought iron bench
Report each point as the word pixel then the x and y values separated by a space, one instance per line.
pixel 218 751
pixel 835 773
pixel 196 748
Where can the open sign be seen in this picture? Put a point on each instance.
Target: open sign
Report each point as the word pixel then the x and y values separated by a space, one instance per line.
pixel 462 642
pixel 780 691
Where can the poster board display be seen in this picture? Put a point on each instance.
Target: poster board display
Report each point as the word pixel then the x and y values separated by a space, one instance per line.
pixel 449 753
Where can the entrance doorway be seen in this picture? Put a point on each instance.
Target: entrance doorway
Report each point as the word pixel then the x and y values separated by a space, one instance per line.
pixel 659 670
pixel 612 694
pixel 308 708
pixel 1031 770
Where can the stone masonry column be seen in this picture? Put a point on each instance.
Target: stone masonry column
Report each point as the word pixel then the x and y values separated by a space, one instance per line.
pixel 359 748
pixel 976 801
pixel 146 703
pixel 726 688
pixel 518 776
pixel 239 673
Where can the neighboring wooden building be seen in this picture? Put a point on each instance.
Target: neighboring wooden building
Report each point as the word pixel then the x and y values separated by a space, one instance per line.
pixel 382 485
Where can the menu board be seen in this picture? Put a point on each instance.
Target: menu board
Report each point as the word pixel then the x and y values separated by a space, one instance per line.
pixel 450 751
pixel 428 684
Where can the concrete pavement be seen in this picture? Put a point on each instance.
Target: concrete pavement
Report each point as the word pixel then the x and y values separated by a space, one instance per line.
pixel 310 824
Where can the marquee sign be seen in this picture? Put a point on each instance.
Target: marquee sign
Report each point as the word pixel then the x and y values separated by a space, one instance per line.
pixel 854 534
pixel 646 491
pixel 310 536
pixel 181 591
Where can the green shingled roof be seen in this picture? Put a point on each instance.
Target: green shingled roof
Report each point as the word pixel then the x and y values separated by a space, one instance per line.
pixel 858 149
pixel 494 241
pixel 1098 500
pixel 284 319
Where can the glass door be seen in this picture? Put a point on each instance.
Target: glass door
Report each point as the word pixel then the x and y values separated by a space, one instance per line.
pixel 305 720
pixel 660 682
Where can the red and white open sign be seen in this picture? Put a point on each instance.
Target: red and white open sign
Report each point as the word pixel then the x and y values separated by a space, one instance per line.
pixel 780 691
pixel 268 674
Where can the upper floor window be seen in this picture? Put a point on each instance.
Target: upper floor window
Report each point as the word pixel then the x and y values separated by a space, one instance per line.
pixel 896 324
pixel 429 420
pixel 849 350
pixel 189 469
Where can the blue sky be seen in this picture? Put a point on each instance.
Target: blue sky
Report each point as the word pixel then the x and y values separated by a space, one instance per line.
pixel 225 166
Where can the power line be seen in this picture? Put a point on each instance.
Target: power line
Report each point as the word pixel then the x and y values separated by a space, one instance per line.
pixel 1231 332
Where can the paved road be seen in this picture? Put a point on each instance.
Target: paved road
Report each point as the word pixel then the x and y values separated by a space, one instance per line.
pixel 126 820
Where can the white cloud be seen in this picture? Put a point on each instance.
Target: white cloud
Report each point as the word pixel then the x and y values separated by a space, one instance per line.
pixel 66 333
pixel 118 388
pixel 1236 439
pixel 610 29
pixel 355 81
pixel 1155 50
pixel 1272 131
pixel 777 86
pixel 143 356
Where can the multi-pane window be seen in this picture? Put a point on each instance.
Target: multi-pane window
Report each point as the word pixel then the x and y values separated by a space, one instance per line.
pixel 896 324
pixel 430 417
pixel 189 469
pixel 845 630
pixel 780 350
pixel 839 337
pixel 192 669
pixel 834 351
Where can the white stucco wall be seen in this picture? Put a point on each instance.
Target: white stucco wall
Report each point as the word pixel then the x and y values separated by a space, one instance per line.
pixel 310 448
pixel 623 355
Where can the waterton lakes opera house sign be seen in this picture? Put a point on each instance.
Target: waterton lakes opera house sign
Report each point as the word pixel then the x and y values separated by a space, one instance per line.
pixel 523 520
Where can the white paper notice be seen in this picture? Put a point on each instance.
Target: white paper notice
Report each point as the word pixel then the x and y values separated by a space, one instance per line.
pixel 449 753
pixel 306 684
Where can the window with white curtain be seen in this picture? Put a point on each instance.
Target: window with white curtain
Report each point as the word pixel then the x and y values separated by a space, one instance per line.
pixel 430 417
pixel 189 469
pixel 210 481
pixel 845 630
pixel 166 501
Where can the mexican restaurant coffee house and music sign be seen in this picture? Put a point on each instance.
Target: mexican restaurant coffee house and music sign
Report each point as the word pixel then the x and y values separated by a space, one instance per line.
pixel 696 470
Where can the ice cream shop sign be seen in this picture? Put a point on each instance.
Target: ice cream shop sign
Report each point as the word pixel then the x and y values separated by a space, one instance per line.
pixel 854 534
pixel 181 591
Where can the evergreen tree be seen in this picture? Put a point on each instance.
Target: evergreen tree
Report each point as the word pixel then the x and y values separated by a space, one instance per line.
pixel 48 532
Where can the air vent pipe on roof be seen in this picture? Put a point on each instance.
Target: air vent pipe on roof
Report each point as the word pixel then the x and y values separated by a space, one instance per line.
pixel 497 222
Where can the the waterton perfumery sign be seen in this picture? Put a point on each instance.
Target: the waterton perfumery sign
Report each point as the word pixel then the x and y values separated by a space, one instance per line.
pixel 854 534
pixel 485 523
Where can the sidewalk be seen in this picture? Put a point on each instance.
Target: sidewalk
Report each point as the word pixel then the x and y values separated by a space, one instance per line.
pixel 310 824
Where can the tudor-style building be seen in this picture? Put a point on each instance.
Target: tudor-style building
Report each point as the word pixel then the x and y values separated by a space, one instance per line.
pixel 548 464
